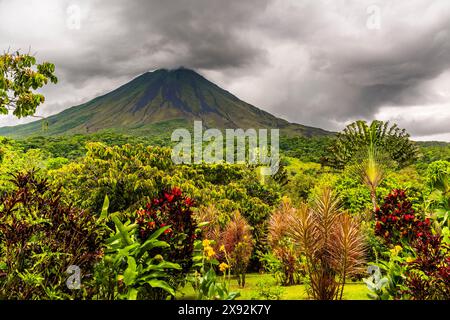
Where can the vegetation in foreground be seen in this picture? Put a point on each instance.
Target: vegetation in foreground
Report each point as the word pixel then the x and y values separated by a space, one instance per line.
pixel 140 227
pixel 111 217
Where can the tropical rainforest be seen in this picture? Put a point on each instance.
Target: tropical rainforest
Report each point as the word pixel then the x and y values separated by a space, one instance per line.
pixel 94 209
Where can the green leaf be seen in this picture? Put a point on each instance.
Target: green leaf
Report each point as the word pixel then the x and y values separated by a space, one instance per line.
pixel 113 239
pixel 122 230
pixel 130 274
pixel 161 284
pixel 125 252
pixel 104 214
pixel 132 294
pixel 154 275
pixel 233 295
pixel 152 243
pixel 203 224
pixel 163 265
pixel 157 233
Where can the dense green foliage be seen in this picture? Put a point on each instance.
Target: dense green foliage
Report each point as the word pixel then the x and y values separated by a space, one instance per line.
pixel 41 237
pixel 93 207
pixel 131 269
pixel 165 228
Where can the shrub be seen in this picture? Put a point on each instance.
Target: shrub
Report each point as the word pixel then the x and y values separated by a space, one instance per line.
pixel 127 174
pixel 282 246
pixel 130 269
pixel 14 160
pixel 397 222
pixel 40 238
pixel 238 242
pixel 427 274
pixel 332 244
pixel 438 174
pixel 267 290
pixel 132 174
pixel 235 238
pixel 172 209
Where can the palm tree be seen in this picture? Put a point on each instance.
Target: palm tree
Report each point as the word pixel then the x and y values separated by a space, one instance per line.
pixel 371 168
pixel 370 150
pixel 358 136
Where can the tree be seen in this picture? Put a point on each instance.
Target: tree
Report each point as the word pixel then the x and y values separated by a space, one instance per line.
pixel 371 165
pixel 359 136
pixel 371 150
pixel 19 77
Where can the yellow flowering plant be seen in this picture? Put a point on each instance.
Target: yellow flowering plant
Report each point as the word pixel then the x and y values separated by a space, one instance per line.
pixel 391 274
pixel 206 282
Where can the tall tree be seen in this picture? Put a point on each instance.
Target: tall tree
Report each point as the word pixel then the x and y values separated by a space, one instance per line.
pixel 359 136
pixel 371 150
pixel 20 76
pixel 371 166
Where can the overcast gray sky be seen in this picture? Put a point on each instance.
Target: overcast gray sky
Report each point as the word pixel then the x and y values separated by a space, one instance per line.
pixel 322 63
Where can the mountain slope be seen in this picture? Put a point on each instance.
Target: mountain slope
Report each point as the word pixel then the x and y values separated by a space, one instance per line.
pixel 160 101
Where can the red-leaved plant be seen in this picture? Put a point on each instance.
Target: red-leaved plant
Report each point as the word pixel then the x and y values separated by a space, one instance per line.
pixel 40 237
pixel 397 222
pixel 427 277
pixel 171 208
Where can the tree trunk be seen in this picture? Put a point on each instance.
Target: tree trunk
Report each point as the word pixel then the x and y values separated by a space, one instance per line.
pixel 373 196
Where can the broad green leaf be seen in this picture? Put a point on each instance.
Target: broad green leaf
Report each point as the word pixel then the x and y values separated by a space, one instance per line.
pixel 123 231
pixel 157 233
pixel 132 294
pixel 154 275
pixel 163 265
pixel 152 243
pixel 233 295
pixel 130 274
pixel 161 284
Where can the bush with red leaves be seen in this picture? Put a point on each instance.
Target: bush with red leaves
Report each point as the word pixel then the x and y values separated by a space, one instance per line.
pixel 174 209
pixel 396 221
pixel 40 237
pixel 428 275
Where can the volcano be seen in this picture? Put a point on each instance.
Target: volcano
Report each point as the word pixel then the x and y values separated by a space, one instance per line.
pixel 160 101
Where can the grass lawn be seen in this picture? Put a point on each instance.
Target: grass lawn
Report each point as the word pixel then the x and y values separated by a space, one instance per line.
pixel 352 290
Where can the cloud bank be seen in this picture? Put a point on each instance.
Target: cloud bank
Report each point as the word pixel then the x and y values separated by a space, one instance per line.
pixel 321 63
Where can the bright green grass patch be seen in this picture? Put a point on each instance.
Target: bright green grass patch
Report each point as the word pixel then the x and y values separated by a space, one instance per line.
pixel 352 290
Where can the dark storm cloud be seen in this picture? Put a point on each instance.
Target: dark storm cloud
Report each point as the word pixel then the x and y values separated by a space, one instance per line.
pixel 362 70
pixel 394 77
pixel 353 72
pixel 204 34
pixel 209 33
pixel 312 62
